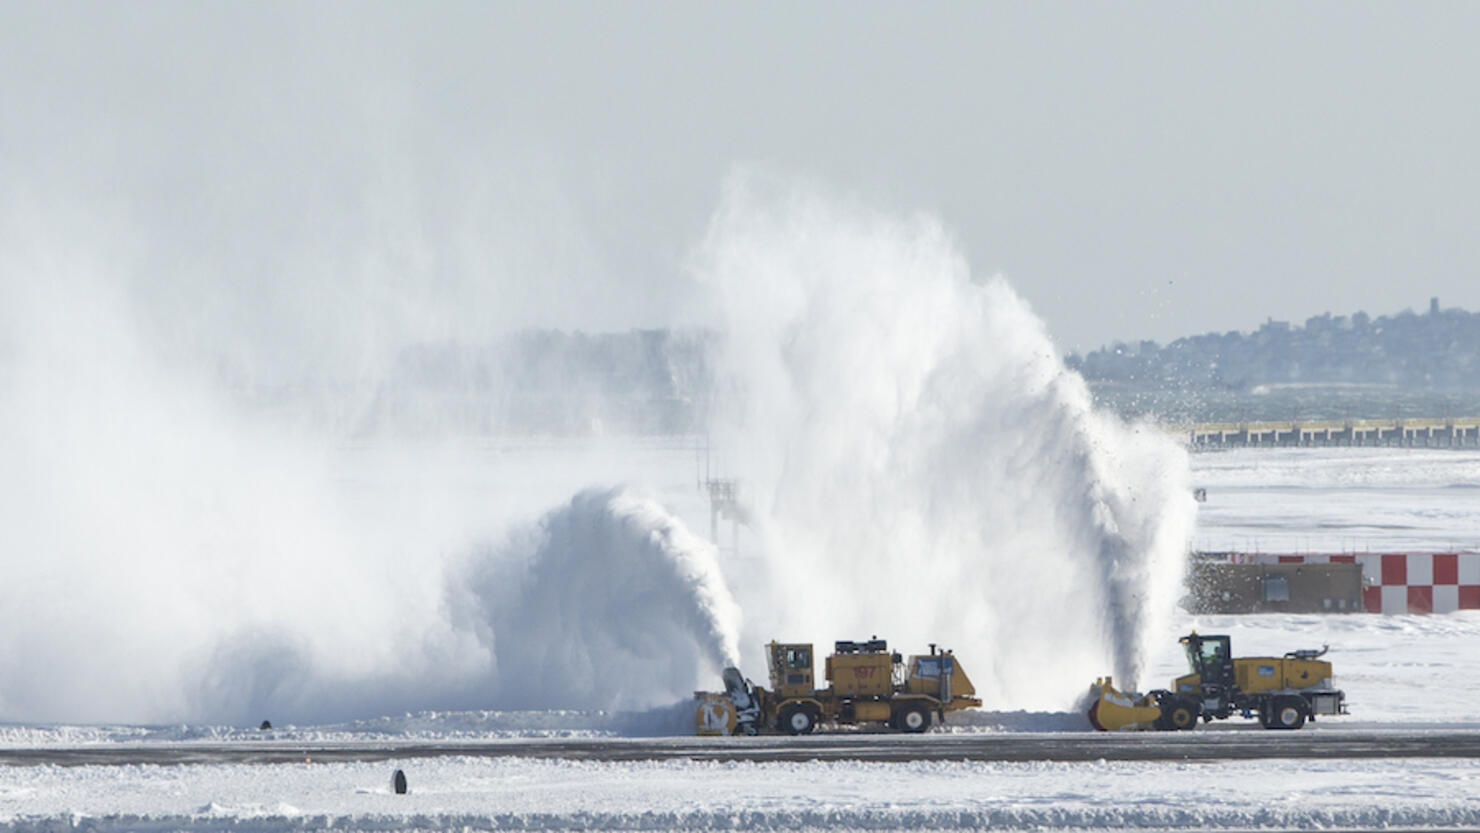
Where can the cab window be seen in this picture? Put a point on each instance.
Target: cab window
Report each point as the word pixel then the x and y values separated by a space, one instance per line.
pixel 798 658
pixel 1208 654
pixel 1213 654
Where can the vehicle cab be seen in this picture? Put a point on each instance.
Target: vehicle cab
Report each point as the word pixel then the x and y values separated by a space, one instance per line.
pixel 791 669
pixel 1212 681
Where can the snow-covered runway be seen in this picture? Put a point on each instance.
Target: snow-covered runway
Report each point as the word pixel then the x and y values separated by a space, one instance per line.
pixel 523 794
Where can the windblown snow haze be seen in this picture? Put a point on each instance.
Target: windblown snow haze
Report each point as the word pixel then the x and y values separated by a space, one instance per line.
pixel 918 460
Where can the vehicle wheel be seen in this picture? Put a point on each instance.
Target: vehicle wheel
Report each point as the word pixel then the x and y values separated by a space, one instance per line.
pixel 1177 715
pixel 1184 716
pixel 797 720
pixel 913 718
pixel 1286 713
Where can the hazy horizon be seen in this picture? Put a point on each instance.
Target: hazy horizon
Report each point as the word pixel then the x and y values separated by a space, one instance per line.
pixel 293 188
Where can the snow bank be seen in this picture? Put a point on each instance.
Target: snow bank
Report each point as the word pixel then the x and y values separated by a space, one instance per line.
pixel 427 726
pixel 468 794
pixel 918 461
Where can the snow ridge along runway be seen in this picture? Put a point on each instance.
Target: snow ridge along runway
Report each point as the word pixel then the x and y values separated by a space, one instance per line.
pixel 523 794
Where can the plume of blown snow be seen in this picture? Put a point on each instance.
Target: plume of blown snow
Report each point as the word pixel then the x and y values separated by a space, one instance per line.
pixel 171 559
pixel 919 462
pixel 606 602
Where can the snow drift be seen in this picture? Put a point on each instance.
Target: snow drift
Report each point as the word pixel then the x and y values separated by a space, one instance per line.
pixel 920 463
pixel 461 794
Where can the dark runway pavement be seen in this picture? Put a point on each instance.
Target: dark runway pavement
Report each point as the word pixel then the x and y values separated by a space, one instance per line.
pixel 1203 745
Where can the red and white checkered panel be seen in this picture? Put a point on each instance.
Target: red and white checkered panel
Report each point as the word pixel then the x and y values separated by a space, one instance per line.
pixel 1425 582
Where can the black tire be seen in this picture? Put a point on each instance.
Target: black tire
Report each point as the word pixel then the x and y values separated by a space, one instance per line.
pixel 796 720
pixel 914 718
pixel 1285 713
pixel 1178 714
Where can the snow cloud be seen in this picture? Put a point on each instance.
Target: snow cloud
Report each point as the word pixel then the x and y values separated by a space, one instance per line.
pixel 919 461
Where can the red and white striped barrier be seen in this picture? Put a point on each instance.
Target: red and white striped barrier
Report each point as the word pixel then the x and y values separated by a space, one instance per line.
pixel 1420 582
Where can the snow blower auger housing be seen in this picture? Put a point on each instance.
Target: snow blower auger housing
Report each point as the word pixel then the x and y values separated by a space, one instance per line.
pixel 1283 692
pixel 867 683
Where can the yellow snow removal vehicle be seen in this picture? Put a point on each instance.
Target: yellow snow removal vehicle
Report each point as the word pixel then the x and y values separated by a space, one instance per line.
pixel 1283 692
pixel 867 684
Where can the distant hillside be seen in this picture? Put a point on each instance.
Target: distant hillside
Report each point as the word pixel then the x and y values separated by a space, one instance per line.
pixel 1436 350
pixel 660 382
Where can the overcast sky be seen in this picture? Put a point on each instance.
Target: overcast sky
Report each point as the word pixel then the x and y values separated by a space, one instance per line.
pixel 1136 170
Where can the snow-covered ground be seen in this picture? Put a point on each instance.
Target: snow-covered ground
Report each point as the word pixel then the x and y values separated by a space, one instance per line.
pixel 521 794
pixel 1339 500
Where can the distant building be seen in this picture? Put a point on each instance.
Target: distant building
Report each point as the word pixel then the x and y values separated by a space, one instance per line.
pixel 1227 587
pixel 1234 582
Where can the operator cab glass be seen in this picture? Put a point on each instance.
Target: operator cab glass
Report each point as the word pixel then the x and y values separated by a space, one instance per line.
pixel 791 668
pixel 1208 657
pixel 799 658
pixel 927 666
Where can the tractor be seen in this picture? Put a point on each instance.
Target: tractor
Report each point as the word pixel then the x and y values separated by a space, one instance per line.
pixel 1282 692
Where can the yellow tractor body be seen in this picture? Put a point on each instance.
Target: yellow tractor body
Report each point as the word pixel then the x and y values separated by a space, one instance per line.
pixel 867 683
pixel 1282 692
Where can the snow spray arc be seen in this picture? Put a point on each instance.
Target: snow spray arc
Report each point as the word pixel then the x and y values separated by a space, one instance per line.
pixel 171 559
pixel 912 443
pixel 608 601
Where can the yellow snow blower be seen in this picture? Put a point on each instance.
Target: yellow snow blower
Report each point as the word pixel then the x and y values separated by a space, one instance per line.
pixel 868 684
pixel 1283 692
